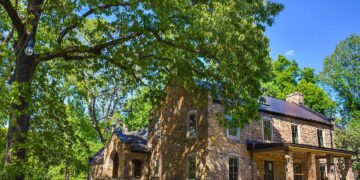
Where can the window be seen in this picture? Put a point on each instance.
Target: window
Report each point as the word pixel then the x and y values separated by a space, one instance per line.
pixel 136 167
pixel 322 171
pixel 158 129
pixel 295 133
pixel 297 171
pixel 233 168
pixel 233 133
pixel 320 138
pixel 267 129
pixel 268 170
pixel 156 167
pixel 191 166
pixel 115 166
pixel 191 126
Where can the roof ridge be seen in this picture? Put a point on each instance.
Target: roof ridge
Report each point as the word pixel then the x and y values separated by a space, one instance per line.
pixel 315 112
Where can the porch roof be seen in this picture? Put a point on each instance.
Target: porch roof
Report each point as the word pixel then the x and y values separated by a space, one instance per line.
pixel 272 147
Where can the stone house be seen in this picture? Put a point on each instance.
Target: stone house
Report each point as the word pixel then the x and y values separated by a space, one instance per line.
pixel 185 141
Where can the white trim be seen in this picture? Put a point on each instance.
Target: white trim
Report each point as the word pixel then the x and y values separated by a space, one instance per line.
pixel 237 137
pixel 323 136
pixel 188 135
pixel 271 129
pixel 228 162
pixel 299 132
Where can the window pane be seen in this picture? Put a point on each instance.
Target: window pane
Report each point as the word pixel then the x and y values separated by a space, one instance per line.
pixel 156 167
pixel 233 131
pixel 192 124
pixel 297 168
pixel 295 134
pixel 320 138
pixel 192 167
pixel 233 168
pixel 267 130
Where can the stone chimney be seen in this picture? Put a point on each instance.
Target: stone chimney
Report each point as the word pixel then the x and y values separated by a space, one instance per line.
pixel 296 98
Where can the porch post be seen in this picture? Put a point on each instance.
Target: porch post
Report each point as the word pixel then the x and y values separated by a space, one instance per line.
pixel 311 166
pixel 289 169
pixel 349 173
pixel 254 167
pixel 330 167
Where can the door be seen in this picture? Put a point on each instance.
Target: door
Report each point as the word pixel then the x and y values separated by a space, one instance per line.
pixel 269 170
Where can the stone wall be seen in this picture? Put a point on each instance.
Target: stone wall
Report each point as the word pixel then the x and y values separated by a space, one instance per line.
pixel 125 170
pixel 308 130
pixel 173 146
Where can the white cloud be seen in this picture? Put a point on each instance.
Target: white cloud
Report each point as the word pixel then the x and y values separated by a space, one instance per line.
pixel 290 53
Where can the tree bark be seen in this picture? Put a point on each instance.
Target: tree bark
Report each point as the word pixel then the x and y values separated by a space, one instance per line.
pixel 20 112
pixel 94 119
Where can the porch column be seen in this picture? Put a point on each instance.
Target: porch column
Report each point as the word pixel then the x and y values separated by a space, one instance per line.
pixel 254 167
pixel 330 167
pixel 311 166
pixel 289 169
pixel 349 173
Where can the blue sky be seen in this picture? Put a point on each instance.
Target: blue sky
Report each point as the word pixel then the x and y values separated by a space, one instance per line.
pixel 309 30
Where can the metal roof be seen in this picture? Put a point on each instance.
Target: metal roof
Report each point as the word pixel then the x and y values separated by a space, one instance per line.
pixel 277 106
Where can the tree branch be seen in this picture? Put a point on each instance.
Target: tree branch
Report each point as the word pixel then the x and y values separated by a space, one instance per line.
pixel 84 52
pixel 15 19
pixel 86 14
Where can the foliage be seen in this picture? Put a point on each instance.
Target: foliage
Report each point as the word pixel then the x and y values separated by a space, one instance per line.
pixel 288 78
pixel 341 73
pixel 149 43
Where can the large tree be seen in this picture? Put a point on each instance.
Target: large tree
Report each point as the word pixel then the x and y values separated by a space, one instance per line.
pixel 221 42
pixel 341 73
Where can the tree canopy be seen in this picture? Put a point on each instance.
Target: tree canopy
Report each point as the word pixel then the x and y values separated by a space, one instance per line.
pixel 341 73
pixel 287 78
pixel 44 44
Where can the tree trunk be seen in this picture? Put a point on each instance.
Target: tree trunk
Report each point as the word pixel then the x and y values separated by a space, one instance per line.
pixel 94 119
pixel 20 112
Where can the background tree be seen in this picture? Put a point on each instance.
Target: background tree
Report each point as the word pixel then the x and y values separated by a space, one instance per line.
pixel 151 41
pixel 342 76
pixel 341 73
pixel 288 77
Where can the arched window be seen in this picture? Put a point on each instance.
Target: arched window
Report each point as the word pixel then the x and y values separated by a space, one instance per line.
pixel 115 166
pixel 136 167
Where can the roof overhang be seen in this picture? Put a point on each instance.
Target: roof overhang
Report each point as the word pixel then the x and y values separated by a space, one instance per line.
pixel 279 147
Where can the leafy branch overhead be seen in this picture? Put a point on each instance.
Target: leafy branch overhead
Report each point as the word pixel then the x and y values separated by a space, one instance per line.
pixel 44 42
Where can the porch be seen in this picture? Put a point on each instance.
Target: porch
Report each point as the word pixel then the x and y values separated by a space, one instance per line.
pixel 290 161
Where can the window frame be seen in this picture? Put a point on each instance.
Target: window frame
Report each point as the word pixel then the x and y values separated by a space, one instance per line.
pixel 156 170
pixel 237 136
pixel 188 166
pixel 188 135
pixel 271 129
pixel 298 133
pixel 158 129
pixel 323 137
pixel 238 165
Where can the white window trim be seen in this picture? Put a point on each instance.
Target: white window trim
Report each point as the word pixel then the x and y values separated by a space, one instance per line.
pixel 158 161
pixel 271 129
pixel 237 137
pixel 299 132
pixel 323 135
pixel 187 165
pixel 188 135
pixel 234 156
pixel 158 129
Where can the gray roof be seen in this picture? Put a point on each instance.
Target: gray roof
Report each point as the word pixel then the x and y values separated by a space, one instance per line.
pixel 136 139
pixel 280 107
